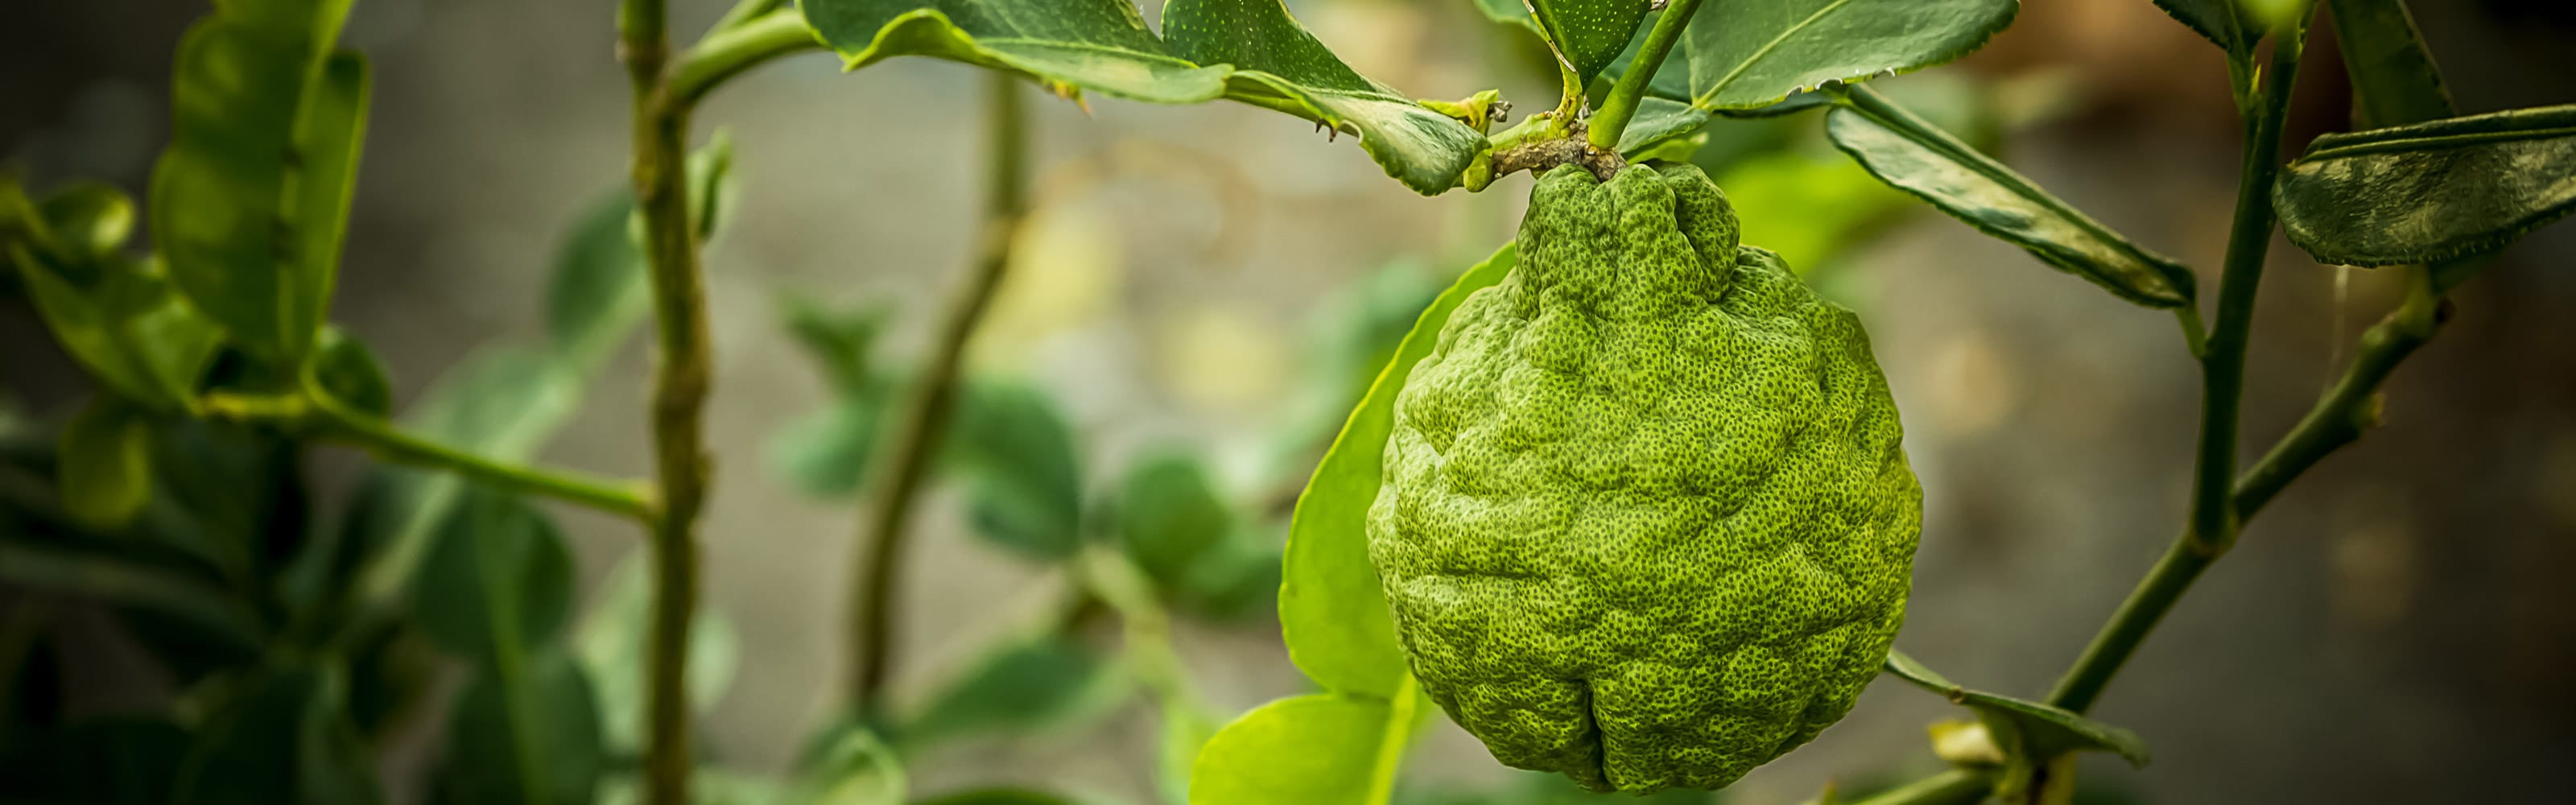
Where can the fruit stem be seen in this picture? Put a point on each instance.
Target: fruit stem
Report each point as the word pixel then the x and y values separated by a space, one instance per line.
pixel 1621 105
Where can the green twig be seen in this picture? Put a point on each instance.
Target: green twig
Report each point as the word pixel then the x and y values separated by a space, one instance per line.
pixel 2214 517
pixel 680 380
pixel 743 11
pixel 1621 105
pixel 330 421
pixel 927 409
pixel 731 50
pixel 2353 404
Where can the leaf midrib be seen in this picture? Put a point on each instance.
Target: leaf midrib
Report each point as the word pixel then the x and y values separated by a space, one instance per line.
pixel 1764 52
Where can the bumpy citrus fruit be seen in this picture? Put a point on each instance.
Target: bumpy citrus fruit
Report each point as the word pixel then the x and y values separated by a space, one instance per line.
pixel 1646 519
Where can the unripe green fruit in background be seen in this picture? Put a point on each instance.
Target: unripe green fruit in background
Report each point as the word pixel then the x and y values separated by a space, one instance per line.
pixel 1646 518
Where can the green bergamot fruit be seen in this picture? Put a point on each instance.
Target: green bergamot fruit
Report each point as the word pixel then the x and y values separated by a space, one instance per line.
pixel 1646 520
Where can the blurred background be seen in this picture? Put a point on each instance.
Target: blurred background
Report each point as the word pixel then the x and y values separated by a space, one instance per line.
pixel 1215 282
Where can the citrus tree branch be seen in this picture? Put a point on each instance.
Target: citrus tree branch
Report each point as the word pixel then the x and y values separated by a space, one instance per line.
pixel 731 50
pixel 680 379
pixel 2214 518
pixel 1621 105
pixel 928 406
pixel 2352 406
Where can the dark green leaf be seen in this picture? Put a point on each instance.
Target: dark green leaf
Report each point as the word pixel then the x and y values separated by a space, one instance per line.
pixel 1279 65
pixel 283 739
pixel 2044 731
pixel 323 177
pixel 349 371
pixel 236 169
pixel 998 796
pixel 1587 34
pixel 2219 21
pixel 1168 516
pixel 1024 478
pixel 2394 81
pixel 1320 747
pixel 1097 45
pixel 210 612
pixel 2430 192
pixel 1753 53
pixel 105 466
pixel 127 328
pixel 498 579
pixel 1232 581
pixel 118 760
pixel 87 220
pixel 1027 685
pixel 840 342
pixel 1247 50
pixel 848 765
pixel 827 453
pixel 1332 614
pixel 614 636
pixel 531 737
pixel 1982 192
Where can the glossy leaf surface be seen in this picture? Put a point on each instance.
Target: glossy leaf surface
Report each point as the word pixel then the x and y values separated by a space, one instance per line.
pixel 2433 191
pixel 1985 194
pixel 1332 613
pixel 1320 747
pixel 1587 35
pixel 2047 731
pixel 1745 54
pixel 1245 50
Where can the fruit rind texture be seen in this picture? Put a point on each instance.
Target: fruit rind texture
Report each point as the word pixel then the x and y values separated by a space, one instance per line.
pixel 1646 518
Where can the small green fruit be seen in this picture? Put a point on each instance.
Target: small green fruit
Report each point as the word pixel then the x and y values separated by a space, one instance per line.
pixel 1646 518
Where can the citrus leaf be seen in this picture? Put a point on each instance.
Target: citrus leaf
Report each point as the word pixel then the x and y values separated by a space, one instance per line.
pixel 498 580
pixel 1027 685
pixel 1096 45
pixel 1024 479
pixel 284 738
pixel 1279 65
pixel 229 196
pixel 853 768
pixel 350 372
pixel 1985 194
pixel 1752 53
pixel 328 134
pixel 105 465
pixel 2219 21
pixel 2044 730
pixel 527 735
pixel 1246 50
pixel 1587 35
pixel 1169 516
pixel 1332 613
pixel 2430 192
pixel 1320 747
pixel 86 220
pixel 2394 80
pixel 209 611
pixel 128 329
